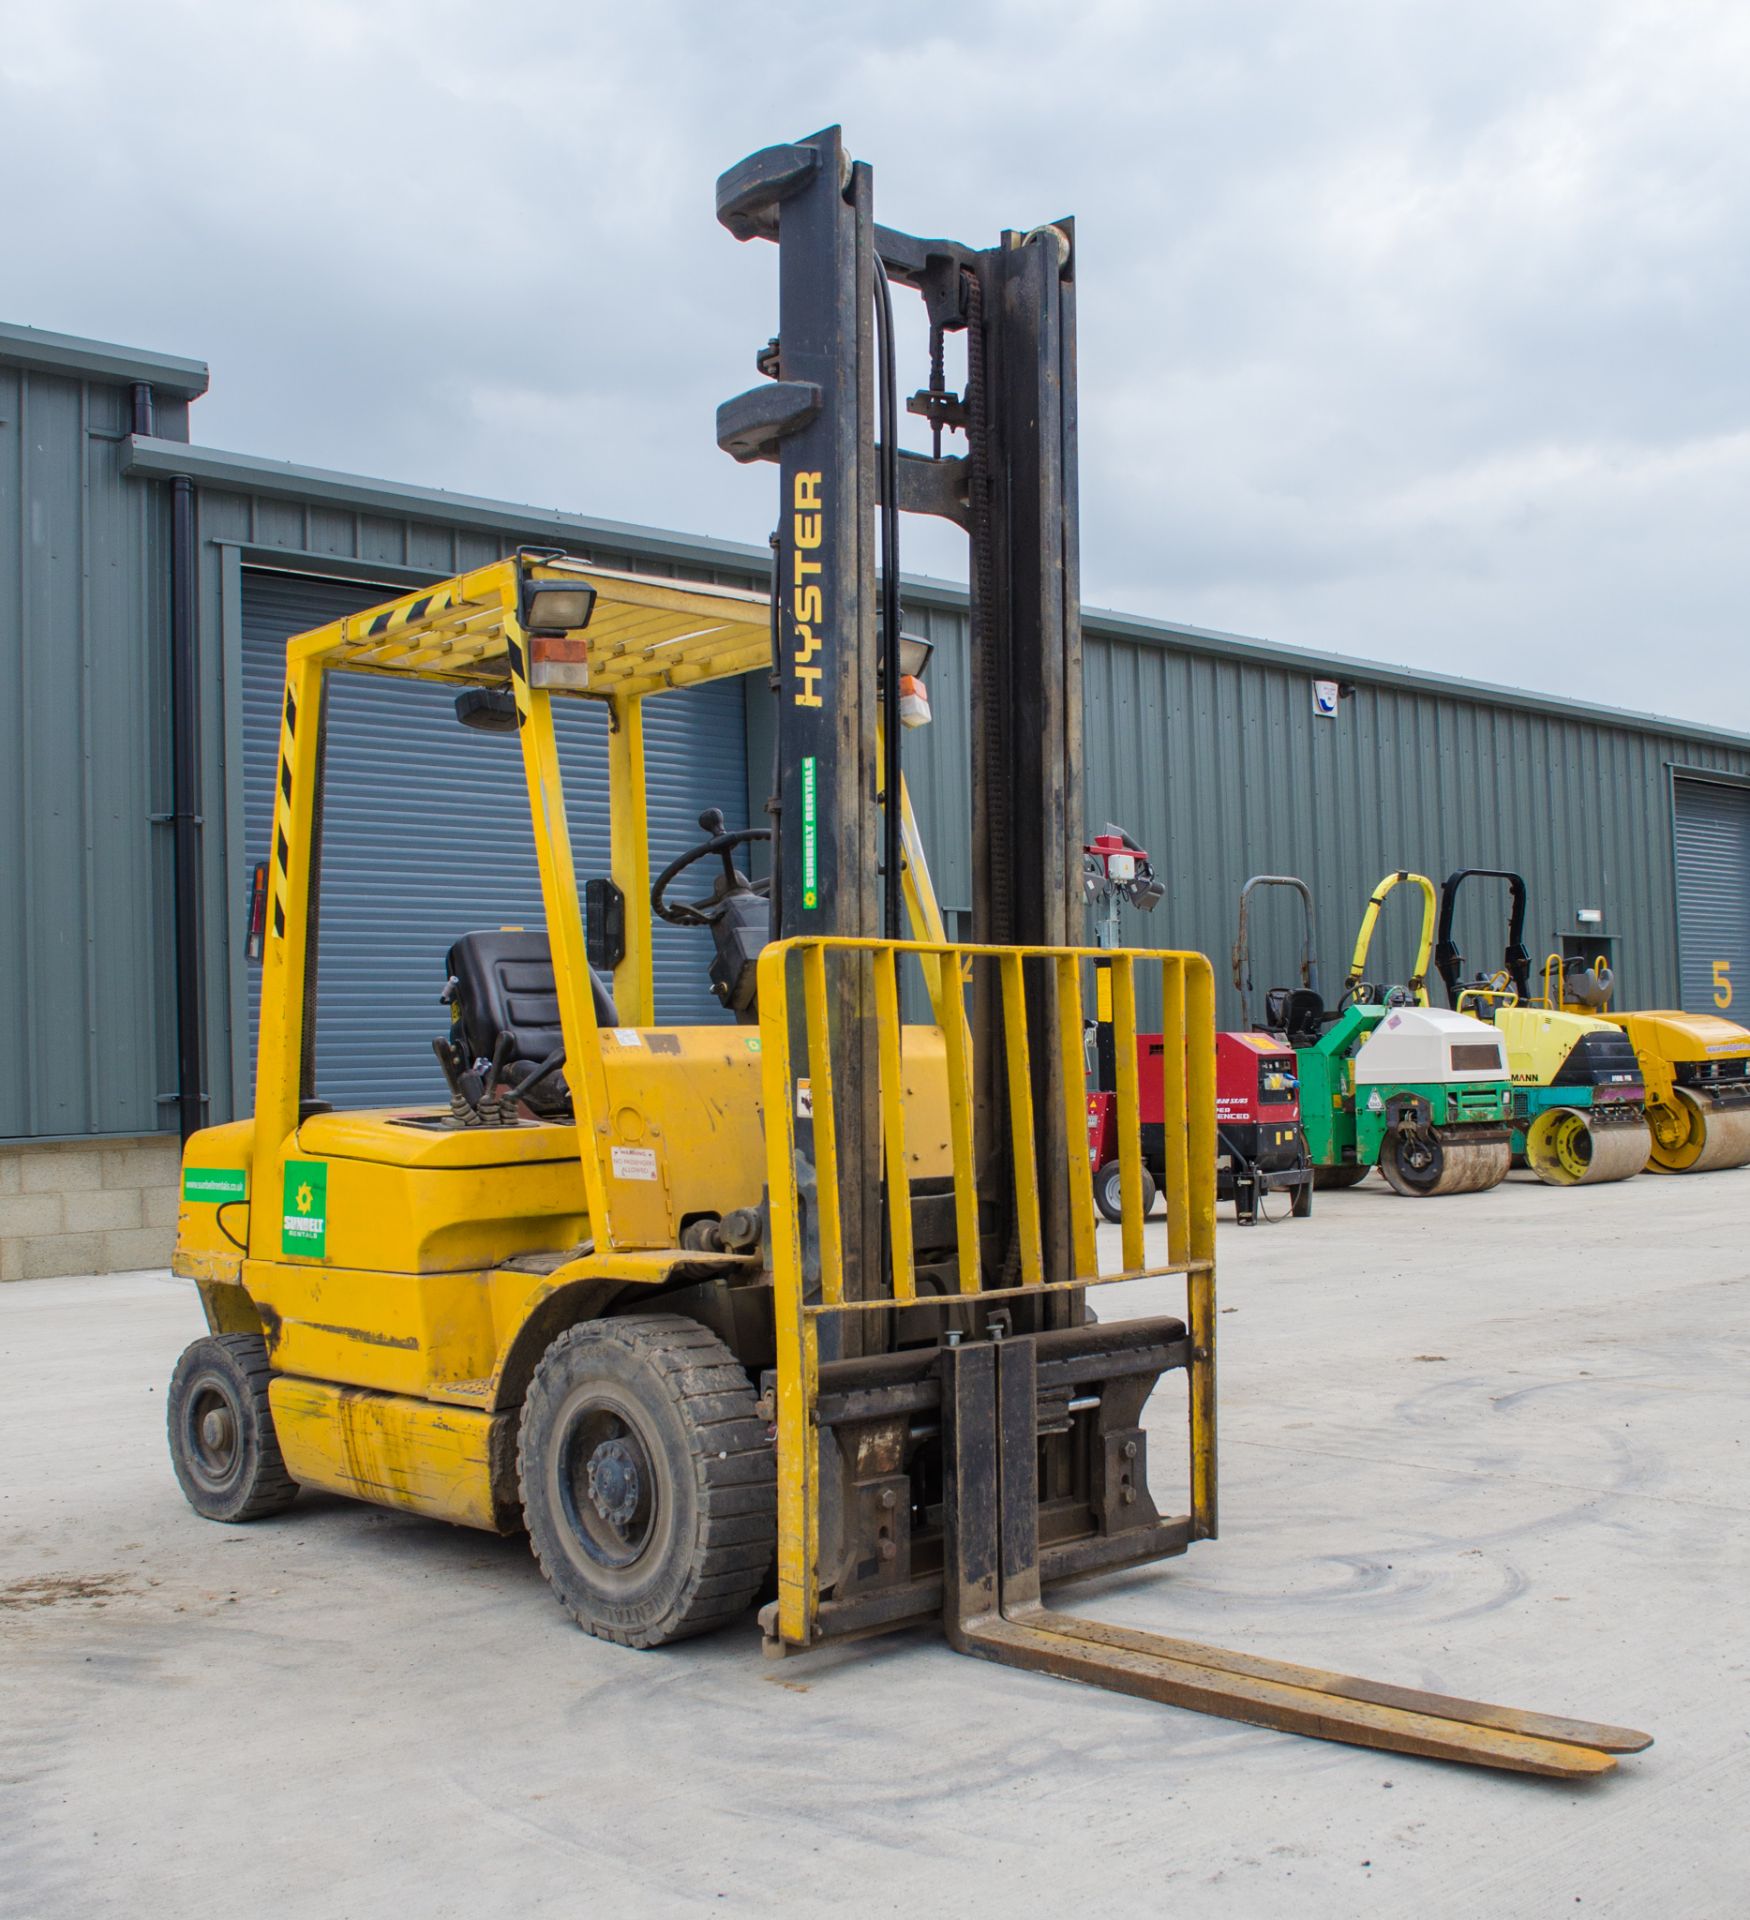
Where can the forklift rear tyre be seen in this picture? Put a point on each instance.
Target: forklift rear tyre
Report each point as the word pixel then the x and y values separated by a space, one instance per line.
pixel 1109 1192
pixel 649 1480
pixel 222 1443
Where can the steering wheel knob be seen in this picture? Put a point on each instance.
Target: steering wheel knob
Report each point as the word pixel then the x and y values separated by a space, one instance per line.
pixel 712 821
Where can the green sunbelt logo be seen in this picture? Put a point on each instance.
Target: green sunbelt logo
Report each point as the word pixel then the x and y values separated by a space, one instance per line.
pixel 810 837
pixel 304 1229
pixel 213 1186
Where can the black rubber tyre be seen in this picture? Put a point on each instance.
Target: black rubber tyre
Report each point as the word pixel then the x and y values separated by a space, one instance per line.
pixel 1331 1179
pixel 1108 1187
pixel 649 1480
pixel 222 1443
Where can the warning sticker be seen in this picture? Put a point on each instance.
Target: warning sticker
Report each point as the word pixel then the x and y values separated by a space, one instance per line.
pixel 629 1036
pixel 634 1163
pixel 304 1226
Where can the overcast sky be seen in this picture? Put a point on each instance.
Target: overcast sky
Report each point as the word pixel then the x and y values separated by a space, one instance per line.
pixel 1410 331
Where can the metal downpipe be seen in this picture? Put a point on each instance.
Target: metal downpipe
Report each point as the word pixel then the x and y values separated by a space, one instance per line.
pixel 185 816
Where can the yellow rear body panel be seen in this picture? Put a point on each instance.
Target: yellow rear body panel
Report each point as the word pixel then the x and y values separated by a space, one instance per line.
pixel 1539 1041
pixel 451 1463
pixel 410 1292
pixel 1665 1034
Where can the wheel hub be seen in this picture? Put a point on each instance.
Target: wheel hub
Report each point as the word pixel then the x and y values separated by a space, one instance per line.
pixel 614 1482
pixel 212 1435
pixel 1418 1153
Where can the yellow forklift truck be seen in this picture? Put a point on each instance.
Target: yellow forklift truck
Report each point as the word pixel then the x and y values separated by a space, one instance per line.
pixel 805 1291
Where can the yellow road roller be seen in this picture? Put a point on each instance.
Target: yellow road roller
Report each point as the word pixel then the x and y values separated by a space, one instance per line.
pixel 1579 1103
pixel 1696 1066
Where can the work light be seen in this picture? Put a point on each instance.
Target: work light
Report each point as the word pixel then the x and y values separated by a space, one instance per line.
pixel 555 606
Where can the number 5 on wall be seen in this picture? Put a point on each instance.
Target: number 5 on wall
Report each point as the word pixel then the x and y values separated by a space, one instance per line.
pixel 1722 983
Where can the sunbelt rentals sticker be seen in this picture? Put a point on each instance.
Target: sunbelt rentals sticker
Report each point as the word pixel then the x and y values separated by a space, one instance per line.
pixel 304 1227
pixel 215 1186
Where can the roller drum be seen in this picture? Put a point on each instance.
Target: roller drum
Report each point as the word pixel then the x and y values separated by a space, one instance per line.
pixel 1569 1147
pixel 1425 1162
pixel 1696 1133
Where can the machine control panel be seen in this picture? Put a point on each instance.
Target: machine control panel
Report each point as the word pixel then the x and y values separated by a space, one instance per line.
pixel 1256 1079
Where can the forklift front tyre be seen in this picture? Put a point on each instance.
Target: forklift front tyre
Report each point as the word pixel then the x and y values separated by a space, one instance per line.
pixel 1109 1192
pixel 649 1479
pixel 222 1443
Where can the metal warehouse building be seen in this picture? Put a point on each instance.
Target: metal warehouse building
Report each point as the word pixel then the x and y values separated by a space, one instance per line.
pixel 148 585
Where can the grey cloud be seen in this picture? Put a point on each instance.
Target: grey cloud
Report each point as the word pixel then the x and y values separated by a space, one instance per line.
pixel 1407 332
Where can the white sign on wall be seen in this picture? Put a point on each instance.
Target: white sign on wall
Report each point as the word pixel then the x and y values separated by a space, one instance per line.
pixel 1325 697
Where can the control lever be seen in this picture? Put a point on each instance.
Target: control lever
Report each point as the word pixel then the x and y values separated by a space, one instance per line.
pixel 492 1102
pixel 449 1059
pixel 545 1070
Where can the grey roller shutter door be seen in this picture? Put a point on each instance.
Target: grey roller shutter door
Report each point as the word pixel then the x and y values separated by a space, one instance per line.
pixel 426 835
pixel 1713 897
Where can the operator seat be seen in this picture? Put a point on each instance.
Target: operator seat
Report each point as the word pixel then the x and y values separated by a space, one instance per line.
pixel 1298 1013
pixel 501 981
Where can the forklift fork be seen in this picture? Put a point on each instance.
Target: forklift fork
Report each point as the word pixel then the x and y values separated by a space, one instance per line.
pixel 994 1609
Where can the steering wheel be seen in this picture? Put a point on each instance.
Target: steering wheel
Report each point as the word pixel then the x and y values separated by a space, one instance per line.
pixel 1365 993
pixel 702 913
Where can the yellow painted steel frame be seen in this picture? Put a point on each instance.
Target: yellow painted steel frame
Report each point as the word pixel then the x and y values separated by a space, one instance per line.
pixel 645 636
pixel 1188 1105
pixel 1418 981
pixel 287 958
pixel 629 856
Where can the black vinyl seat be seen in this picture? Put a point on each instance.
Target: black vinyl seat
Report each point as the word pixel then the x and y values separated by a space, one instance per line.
pixel 1297 1012
pixel 503 983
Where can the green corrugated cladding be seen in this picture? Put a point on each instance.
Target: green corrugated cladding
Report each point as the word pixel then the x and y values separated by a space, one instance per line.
pixel 1208 750
pixel 1221 767
pixel 87 1042
pixel 1204 745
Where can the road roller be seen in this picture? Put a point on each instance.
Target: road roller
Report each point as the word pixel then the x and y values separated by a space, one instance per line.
pixel 1386 1079
pixel 1696 1066
pixel 1579 1102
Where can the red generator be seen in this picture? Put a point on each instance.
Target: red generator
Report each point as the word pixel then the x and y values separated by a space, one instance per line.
pixel 1260 1147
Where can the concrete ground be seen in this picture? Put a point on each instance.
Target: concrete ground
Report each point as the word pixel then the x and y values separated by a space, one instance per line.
pixel 1494 1445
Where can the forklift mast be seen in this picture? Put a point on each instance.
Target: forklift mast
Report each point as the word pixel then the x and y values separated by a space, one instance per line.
pixel 953 1431
pixel 827 414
